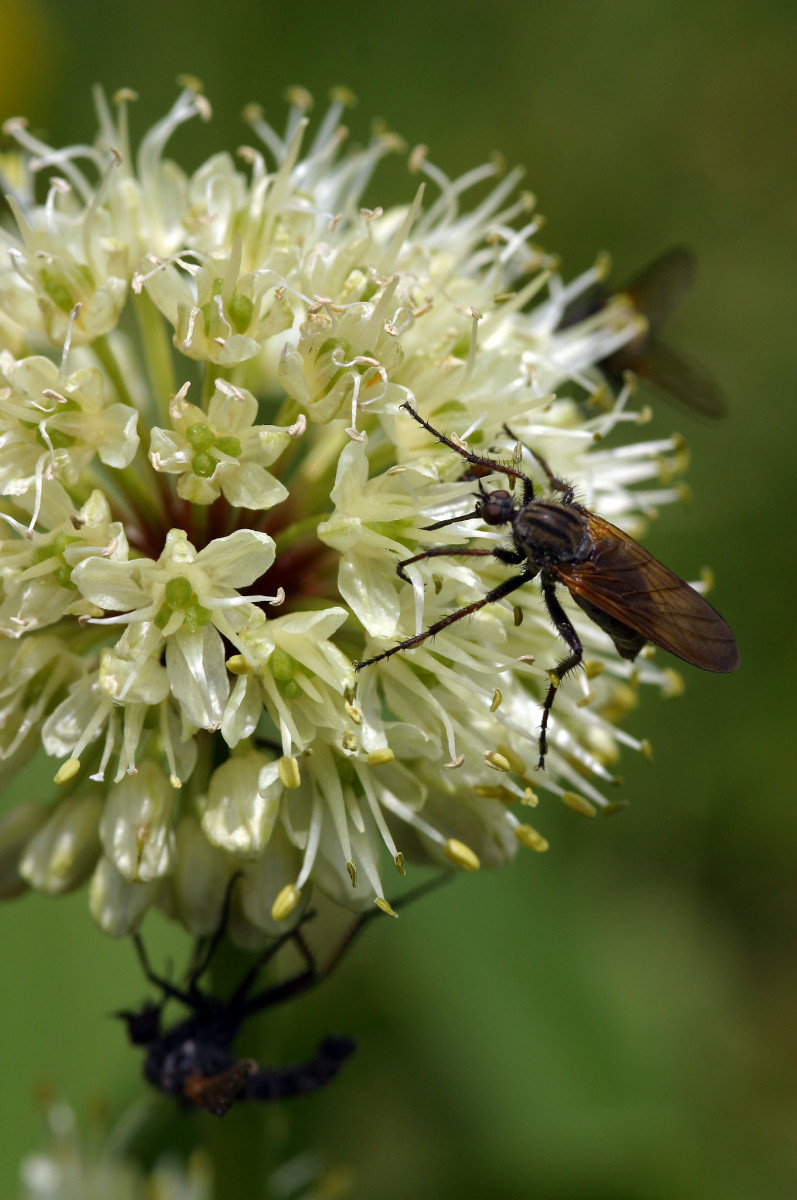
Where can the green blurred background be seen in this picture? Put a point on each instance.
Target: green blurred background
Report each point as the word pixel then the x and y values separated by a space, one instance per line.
pixel 614 1020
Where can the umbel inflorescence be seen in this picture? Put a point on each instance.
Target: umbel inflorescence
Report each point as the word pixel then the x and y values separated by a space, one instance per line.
pixel 207 482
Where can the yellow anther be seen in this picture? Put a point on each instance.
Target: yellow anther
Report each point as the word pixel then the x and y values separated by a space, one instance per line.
pixel 497 761
pixel 377 758
pixel 350 867
pixel 516 763
pixel 646 750
pixel 67 770
pixel 528 837
pixel 579 804
pixel 289 771
pixel 285 902
pixel 530 798
pixel 496 700
pixel 382 903
pixel 237 665
pixel 354 713
pixel 399 863
pixel 603 265
pixel 461 855
pixel 300 97
pixel 602 398
pixel 192 82
pixel 498 792
pixel 342 95
pixel 517 614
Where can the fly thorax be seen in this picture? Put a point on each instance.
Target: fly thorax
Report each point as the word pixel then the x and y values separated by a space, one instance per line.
pixel 549 533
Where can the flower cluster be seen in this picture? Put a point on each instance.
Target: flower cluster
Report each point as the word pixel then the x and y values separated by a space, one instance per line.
pixel 207 482
pixel 93 1164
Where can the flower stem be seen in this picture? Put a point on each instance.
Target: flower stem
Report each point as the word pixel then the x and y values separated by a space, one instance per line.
pixel 158 354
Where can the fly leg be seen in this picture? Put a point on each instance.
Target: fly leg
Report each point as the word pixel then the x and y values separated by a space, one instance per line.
pixel 556 484
pixel 497 593
pixel 511 557
pixel 476 460
pixel 313 973
pixel 563 668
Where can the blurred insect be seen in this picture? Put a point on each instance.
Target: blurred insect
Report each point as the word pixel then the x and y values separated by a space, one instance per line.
pixel 657 292
pixel 620 586
pixel 193 1060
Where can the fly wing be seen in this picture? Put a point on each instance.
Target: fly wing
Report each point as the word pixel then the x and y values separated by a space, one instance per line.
pixel 661 287
pixel 623 580
pixel 217 1093
pixel 685 380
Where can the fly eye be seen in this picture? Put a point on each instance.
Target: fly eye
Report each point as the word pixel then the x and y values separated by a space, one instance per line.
pixel 496 508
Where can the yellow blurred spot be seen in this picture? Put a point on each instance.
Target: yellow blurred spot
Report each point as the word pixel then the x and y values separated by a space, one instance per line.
pixel 616 806
pixel 673 684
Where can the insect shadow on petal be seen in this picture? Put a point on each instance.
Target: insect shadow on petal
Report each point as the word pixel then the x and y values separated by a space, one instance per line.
pixel 193 1060
pixel 620 586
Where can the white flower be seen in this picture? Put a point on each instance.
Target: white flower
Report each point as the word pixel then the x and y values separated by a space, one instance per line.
pixel 187 600
pixel 149 537
pixel 221 450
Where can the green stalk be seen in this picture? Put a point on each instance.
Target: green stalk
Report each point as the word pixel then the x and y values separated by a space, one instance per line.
pixel 158 356
pixel 104 351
